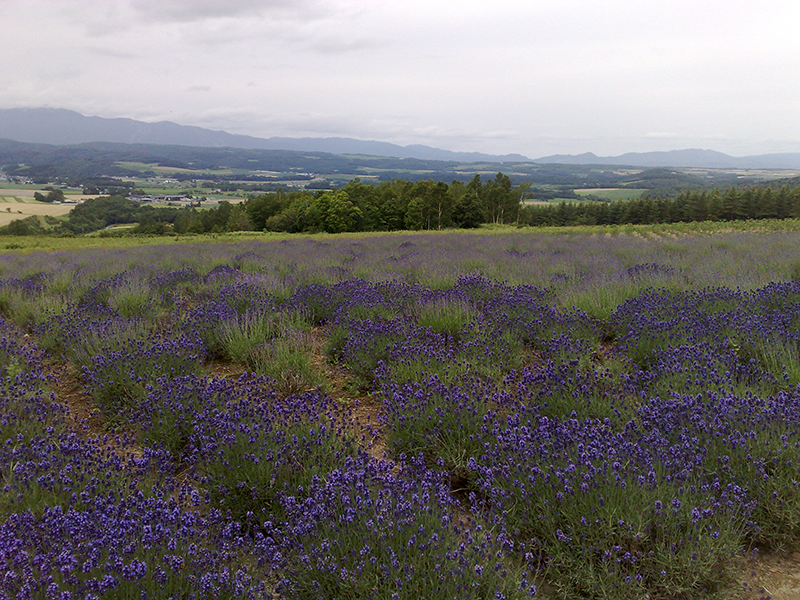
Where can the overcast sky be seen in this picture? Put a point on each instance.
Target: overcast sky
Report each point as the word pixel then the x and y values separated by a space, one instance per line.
pixel 536 77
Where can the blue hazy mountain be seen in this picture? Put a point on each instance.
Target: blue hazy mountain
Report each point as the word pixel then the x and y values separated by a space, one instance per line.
pixel 696 158
pixel 65 127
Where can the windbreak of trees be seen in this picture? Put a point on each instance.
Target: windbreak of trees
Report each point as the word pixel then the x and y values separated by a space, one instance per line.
pixel 53 195
pixel 390 205
pixel 405 205
pixel 386 206
pixel 732 204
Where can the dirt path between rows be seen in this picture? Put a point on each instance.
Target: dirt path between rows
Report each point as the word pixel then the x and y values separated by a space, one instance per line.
pixel 769 576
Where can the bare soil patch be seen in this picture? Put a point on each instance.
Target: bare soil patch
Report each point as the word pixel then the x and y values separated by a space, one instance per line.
pixel 772 576
pixel 83 418
pixel 361 408
pixel 226 369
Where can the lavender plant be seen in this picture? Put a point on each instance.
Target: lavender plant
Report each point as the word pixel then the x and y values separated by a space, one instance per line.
pixel 131 547
pixel 366 532
pixel 257 449
pixel 616 417
pixel 119 379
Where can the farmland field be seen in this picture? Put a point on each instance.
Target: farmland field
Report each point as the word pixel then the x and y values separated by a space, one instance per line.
pixel 611 193
pixel 599 413
pixel 16 202
pixel 21 204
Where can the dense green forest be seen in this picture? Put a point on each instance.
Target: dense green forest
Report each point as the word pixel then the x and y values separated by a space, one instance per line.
pixel 405 205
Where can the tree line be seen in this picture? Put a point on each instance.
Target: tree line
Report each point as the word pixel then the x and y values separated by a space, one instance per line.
pixel 390 205
pixel 405 205
pixel 358 206
pixel 733 204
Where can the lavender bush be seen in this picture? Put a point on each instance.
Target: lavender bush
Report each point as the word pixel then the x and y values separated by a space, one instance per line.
pixel 601 416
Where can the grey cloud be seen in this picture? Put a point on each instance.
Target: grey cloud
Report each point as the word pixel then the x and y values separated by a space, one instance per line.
pixel 188 11
pixel 337 45
pixel 541 77
pixel 314 26
pixel 111 53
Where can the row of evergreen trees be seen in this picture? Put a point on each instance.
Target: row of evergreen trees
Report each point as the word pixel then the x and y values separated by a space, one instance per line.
pixel 398 205
pixel 731 205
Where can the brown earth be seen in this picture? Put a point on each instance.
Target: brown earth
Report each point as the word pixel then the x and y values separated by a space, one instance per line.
pixel 774 576
pixel 84 418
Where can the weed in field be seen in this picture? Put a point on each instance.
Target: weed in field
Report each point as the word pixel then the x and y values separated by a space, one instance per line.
pixel 131 299
pixel 240 336
pixel 445 317
pixel 26 305
pixel 778 355
pixel 289 361
pixel 600 300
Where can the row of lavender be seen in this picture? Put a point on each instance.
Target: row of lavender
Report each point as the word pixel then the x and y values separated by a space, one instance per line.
pixel 213 488
pixel 570 264
pixel 84 518
pixel 611 458
pixel 626 457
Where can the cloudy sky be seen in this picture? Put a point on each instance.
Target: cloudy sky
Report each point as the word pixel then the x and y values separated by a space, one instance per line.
pixel 536 77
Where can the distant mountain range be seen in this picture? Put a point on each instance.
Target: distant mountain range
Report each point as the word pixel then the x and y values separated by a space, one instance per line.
pixel 64 127
pixel 691 158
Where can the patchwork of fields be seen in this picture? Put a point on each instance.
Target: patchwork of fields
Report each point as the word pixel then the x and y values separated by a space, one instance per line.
pixel 451 415
pixel 19 204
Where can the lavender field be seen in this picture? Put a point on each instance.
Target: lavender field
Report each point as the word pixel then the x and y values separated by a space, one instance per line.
pixel 405 416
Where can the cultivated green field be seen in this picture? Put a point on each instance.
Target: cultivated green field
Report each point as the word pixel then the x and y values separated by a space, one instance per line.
pixel 611 193
pixel 142 167
pixel 27 244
